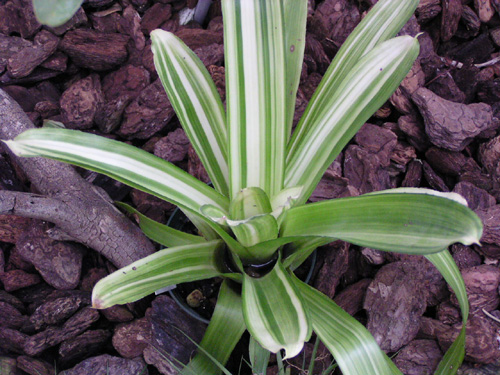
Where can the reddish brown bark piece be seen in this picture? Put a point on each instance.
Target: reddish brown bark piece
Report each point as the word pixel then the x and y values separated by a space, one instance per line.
pixel 18 279
pixel 109 365
pixel 155 16
pixel 481 343
pixel 132 338
pixel 465 257
pixel 83 346
pixel 52 336
pixel 11 227
pixel 397 298
pixel 174 147
pixel 149 113
pixel 80 102
pixel 335 265
pixel 489 154
pixel 34 366
pixel 335 19
pixel 10 316
pixel 117 313
pixel 477 198
pixel 491 224
pixel 55 312
pixel 428 9
pixel 196 38
pixel 25 61
pixel 120 88
pixel 12 340
pixel 10 46
pixel 58 262
pixel 419 357
pixel 366 165
pixel 448 313
pixel 78 19
pixel 450 125
pixel 352 297
pixel 167 322
pixel 452 12
pixel 484 9
pixel 94 50
pixel 481 283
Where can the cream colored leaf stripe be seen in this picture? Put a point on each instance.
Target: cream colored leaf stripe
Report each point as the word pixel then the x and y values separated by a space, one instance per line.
pixel 196 101
pixel 255 81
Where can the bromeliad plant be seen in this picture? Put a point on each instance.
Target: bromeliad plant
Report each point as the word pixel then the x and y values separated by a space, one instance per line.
pixel 263 174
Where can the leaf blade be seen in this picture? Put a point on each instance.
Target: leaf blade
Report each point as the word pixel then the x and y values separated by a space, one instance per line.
pixel 365 88
pixel 390 221
pixel 295 36
pixel 156 271
pixel 125 163
pixel 255 82
pixel 274 313
pixel 55 13
pixel 382 22
pixel 196 102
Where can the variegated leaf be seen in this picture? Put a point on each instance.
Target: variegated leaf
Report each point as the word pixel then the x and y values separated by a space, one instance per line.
pixel 196 102
pixel 274 312
pixel 254 44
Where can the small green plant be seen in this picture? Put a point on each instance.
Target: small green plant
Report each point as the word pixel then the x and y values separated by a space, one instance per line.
pixel 263 174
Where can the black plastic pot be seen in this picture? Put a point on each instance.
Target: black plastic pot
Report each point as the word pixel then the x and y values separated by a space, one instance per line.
pixel 180 221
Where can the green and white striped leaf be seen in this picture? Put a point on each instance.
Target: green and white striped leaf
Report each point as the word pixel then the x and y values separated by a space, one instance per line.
pixel 196 102
pixel 249 202
pixel 254 230
pixel 160 233
pixel 285 200
pixel 381 23
pixel 353 347
pixel 254 45
pixel 227 318
pixel 391 221
pixel 274 312
pixel 156 271
pixel 125 163
pixel 295 41
pixel 55 13
pixel 367 85
pixel 454 356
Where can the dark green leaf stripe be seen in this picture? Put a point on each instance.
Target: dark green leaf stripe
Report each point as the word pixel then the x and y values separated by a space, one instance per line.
pixel 255 79
pixel 161 269
pixel 295 35
pixel 401 222
pixel 196 102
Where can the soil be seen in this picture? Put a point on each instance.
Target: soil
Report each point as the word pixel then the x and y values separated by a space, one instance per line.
pixel 440 130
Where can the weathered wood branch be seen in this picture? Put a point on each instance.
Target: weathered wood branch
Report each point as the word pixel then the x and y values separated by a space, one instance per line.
pixel 77 208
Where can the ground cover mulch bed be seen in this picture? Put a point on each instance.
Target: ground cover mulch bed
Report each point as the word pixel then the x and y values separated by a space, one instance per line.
pixel 439 130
